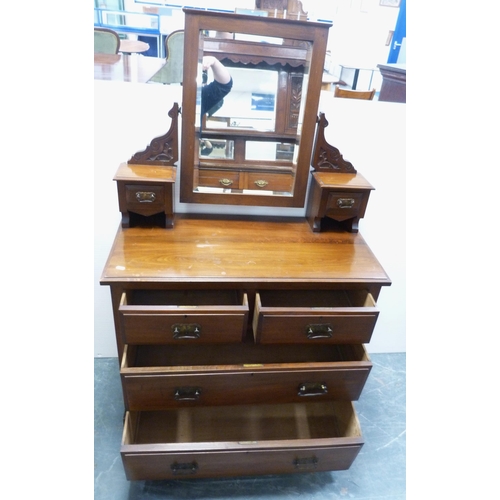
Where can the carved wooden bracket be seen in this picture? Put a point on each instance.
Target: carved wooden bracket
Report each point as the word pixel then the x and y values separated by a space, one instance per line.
pixel 327 158
pixel 162 150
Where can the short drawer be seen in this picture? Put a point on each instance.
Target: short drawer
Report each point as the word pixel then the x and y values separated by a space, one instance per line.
pixel 270 182
pixel 323 316
pixel 162 377
pixel 240 440
pixel 219 178
pixel 172 316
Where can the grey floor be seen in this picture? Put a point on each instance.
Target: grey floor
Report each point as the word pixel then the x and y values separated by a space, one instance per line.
pixel 379 471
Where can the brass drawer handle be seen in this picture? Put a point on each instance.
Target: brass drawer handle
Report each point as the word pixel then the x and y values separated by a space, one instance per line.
pixel 184 468
pixel 319 331
pixel 186 331
pixel 305 463
pixel 145 196
pixel 187 393
pixel 312 389
pixel 225 182
pixel 261 183
pixel 345 202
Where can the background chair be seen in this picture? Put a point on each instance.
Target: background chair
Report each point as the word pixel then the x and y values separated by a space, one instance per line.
pixel 354 94
pixel 172 71
pixel 106 41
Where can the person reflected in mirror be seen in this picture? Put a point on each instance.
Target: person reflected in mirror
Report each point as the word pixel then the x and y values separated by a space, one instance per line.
pixel 206 147
pixel 213 93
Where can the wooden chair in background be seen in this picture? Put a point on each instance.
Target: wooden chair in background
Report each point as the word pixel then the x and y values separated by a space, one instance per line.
pixel 106 41
pixel 354 94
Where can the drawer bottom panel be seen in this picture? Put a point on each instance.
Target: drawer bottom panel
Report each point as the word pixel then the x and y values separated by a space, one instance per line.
pixel 240 440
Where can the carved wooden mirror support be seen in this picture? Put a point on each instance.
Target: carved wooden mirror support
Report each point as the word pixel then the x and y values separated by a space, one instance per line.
pixel 163 150
pixel 327 158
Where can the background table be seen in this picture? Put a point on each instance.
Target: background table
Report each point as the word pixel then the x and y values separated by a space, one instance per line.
pixel 133 46
pixel 133 68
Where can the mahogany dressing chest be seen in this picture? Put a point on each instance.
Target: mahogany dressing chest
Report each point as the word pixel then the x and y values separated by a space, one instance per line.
pixel 241 339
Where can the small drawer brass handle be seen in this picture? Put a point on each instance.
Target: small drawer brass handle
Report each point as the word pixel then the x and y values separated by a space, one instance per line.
pixel 319 331
pixel 145 196
pixel 261 183
pixel 184 468
pixel 186 331
pixel 187 393
pixel 345 202
pixel 312 389
pixel 225 182
pixel 305 463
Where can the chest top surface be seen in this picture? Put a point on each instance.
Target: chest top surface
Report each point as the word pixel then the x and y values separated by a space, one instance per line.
pixel 232 250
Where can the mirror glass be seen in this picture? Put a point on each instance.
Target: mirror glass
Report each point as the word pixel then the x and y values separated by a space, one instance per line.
pixel 253 132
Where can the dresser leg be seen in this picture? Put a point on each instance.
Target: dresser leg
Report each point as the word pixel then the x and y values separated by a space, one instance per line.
pixel 125 219
pixel 169 221
pixel 351 224
pixel 315 223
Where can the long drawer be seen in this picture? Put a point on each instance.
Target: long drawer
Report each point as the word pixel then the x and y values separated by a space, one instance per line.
pixel 317 316
pixel 177 316
pixel 162 377
pixel 240 440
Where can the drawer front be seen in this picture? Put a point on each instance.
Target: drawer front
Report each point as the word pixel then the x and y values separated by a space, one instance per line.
pixel 159 392
pixel 146 199
pixel 163 387
pixel 344 204
pixel 157 465
pixel 270 182
pixel 343 324
pixel 198 323
pixel 233 441
pixel 219 178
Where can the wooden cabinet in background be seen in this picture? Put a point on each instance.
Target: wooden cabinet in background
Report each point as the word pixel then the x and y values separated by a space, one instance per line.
pixel 393 82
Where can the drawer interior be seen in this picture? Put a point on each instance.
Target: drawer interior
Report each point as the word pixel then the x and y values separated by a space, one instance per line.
pixel 240 355
pixel 183 298
pixel 243 423
pixel 316 298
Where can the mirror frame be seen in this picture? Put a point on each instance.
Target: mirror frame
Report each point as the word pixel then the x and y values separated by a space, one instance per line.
pixel 314 32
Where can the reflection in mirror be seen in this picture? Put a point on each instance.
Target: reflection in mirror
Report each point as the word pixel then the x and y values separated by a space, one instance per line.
pixel 269 151
pixel 251 102
pixel 217 148
pixel 260 86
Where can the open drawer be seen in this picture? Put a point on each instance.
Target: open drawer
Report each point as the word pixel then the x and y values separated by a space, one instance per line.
pixel 317 316
pixel 180 316
pixel 162 377
pixel 240 440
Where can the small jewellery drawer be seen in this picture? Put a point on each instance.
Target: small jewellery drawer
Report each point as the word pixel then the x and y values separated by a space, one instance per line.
pixel 163 377
pixel 344 204
pixel 145 200
pixel 322 316
pixel 173 316
pixel 240 440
